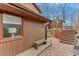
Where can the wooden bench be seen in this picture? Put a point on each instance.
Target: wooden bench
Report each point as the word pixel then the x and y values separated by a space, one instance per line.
pixel 38 43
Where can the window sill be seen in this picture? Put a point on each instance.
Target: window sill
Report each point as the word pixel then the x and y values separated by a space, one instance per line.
pixel 11 39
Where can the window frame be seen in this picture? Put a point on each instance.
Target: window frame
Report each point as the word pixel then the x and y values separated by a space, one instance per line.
pixel 3 26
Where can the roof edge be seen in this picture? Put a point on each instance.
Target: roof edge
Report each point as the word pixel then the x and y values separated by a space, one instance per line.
pixel 39 10
pixel 28 10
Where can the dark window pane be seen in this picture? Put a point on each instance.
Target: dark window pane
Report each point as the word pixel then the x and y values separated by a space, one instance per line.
pixel 12 25
pixel 6 30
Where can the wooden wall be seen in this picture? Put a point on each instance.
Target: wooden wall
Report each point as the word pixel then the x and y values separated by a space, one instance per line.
pixel 31 31
pixel 11 46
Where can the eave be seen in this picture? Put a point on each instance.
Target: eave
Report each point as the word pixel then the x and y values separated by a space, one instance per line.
pixel 19 10
pixel 39 10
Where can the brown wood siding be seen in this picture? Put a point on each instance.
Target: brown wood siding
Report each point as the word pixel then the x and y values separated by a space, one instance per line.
pixel 11 47
pixel 32 31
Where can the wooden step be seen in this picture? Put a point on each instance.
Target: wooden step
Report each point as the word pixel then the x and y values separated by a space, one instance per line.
pixel 67 42
pixel 68 36
pixel 71 40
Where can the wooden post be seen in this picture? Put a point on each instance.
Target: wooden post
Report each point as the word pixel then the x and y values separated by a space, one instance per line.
pixel 1 30
pixel 45 32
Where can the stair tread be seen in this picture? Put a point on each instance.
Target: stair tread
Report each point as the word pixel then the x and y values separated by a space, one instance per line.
pixel 68 42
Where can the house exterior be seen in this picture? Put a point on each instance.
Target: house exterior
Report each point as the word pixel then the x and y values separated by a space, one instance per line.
pixel 33 7
pixel 58 24
pixel 19 28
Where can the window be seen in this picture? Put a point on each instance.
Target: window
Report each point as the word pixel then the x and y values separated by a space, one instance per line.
pixel 12 25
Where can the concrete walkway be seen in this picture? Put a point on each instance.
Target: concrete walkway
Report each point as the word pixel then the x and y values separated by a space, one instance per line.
pixel 58 49
pixel 54 49
pixel 33 52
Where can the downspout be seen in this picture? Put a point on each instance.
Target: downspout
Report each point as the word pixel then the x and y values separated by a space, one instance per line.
pixel 45 32
pixel 46 24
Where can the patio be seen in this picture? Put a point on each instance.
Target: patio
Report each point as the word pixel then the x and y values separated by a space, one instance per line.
pixel 56 49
